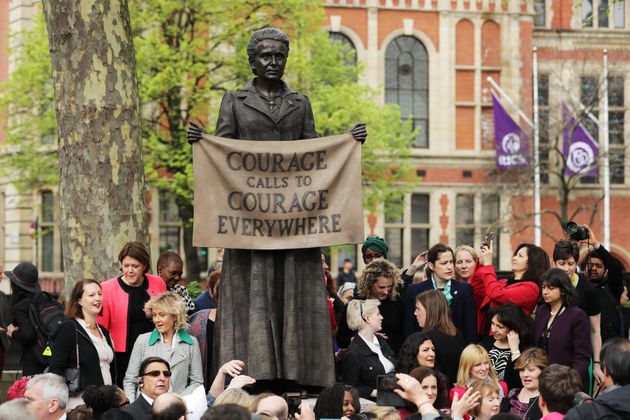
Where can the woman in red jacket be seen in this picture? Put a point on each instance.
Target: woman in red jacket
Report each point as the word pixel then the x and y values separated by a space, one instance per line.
pixel 528 264
pixel 123 302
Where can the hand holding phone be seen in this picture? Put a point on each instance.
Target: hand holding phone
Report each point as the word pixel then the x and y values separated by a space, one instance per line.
pixel 385 395
pixel 294 400
pixel 488 239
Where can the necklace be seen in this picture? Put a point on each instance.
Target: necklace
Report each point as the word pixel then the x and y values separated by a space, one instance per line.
pixel 91 326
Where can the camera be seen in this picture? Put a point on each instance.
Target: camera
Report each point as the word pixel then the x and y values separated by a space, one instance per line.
pixel 576 232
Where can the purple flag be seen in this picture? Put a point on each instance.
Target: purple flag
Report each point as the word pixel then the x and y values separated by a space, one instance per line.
pixel 512 144
pixel 578 147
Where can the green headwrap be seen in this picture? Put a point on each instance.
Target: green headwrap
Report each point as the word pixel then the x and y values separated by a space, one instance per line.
pixel 376 244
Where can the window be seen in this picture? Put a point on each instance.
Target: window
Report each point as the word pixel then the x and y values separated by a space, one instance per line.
pixel 539 17
pixel 465 219
pixel 477 215
pixel 407 218
pixel 589 96
pixel 348 46
pixel 407 83
pixel 589 92
pixel 419 223
pixel 169 223
pixel 543 127
pixel 616 114
pixel 603 14
pixel 48 240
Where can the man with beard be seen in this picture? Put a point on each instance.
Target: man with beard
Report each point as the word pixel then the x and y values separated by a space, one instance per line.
pixel 606 274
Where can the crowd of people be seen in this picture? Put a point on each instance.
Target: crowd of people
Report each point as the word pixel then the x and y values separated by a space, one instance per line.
pixel 458 342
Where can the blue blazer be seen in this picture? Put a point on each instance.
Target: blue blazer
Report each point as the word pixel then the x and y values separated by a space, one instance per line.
pixel 462 308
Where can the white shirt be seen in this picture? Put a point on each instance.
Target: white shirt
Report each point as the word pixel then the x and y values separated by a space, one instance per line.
pixel 376 348
pixel 105 353
pixel 146 397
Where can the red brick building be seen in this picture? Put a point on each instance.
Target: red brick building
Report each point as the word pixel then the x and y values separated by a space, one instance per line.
pixel 432 57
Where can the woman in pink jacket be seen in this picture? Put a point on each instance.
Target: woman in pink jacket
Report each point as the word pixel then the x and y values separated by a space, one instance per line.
pixel 123 302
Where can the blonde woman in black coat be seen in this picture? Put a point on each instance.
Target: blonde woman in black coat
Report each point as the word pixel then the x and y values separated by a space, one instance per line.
pixel 368 355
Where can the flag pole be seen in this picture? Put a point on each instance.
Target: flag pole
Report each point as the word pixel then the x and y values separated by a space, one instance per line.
pixel 605 134
pixel 509 101
pixel 537 221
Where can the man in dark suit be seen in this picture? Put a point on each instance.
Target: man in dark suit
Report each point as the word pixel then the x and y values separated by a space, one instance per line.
pixel 154 380
pixel 462 303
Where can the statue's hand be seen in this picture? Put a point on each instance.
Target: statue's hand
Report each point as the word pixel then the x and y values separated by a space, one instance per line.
pixel 194 132
pixel 359 132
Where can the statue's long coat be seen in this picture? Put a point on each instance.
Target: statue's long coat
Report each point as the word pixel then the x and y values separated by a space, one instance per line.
pixel 272 311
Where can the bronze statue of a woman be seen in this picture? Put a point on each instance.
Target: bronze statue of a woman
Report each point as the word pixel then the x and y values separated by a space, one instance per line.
pixel 272 311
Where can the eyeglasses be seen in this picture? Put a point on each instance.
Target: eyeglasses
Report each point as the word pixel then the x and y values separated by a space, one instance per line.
pixel 156 373
pixel 123 404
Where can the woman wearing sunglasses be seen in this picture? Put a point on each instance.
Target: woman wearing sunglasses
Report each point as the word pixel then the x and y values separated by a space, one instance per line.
pixel 170 341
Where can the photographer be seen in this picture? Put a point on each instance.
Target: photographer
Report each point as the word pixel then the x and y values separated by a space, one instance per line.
pixel 606 274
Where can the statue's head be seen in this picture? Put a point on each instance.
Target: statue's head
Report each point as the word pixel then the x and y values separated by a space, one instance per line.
pixel 268 42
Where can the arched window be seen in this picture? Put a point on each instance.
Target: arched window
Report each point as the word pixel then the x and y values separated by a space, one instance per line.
pixel 407 83
pixel 347 43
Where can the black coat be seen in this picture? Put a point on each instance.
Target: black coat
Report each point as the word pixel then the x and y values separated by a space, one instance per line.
pixel 447 352
pixel 393 314
pixel 25 336
pixel 613 404
pixel 360 365
pixel 244 115
pixel 463 311
pixel 140 409
pixel 65 354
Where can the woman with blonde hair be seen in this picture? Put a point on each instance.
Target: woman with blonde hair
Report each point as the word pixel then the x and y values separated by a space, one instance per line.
pixel 368 355
pixel 384 413
pixel 433 315
pixel 474 365
pixel 170 341
pixel 465 262
pixel 234 396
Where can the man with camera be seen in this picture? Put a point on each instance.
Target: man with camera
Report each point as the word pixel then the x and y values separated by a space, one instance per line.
pixel 606 274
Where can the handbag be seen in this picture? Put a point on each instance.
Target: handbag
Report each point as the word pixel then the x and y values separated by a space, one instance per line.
pixel 73 374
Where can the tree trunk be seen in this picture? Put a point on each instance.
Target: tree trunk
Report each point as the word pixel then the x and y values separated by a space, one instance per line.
pixel 101 190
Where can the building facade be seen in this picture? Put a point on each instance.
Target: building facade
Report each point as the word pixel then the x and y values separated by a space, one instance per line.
pixel 433 58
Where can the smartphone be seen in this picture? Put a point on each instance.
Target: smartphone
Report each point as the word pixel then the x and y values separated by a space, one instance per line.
pixel 385 395
pixel 294 399
pixel 488 238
